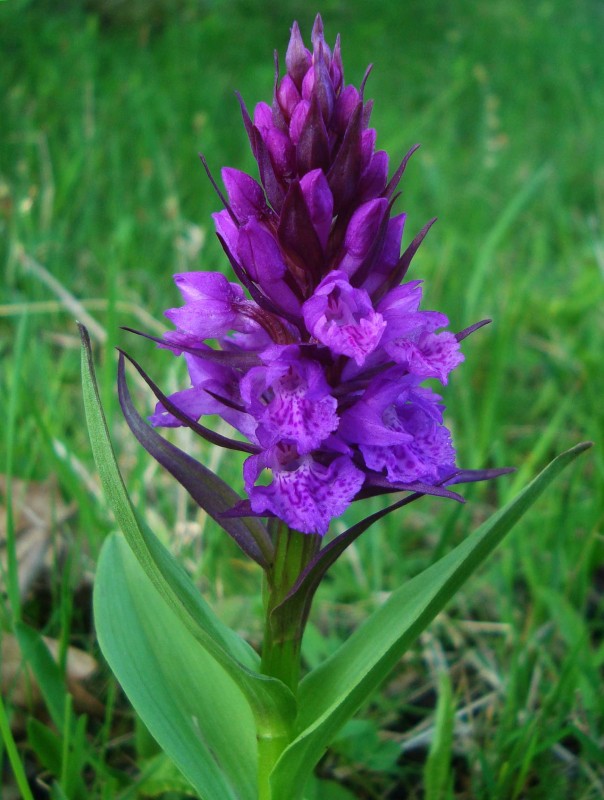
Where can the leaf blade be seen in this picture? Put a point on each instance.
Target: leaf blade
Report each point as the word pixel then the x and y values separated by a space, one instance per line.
pixel 180 593
pixel 335 690
pixel 272 703
pixel 186 699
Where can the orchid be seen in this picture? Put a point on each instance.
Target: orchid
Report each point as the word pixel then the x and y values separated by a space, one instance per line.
pixel 316 356
pixel 320 367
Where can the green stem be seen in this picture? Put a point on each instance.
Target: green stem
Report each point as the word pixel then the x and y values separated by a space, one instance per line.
pixel 282 634
pixel 282 639
pixel 269 750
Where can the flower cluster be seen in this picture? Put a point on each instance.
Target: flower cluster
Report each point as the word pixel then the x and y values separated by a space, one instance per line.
pixel 321 352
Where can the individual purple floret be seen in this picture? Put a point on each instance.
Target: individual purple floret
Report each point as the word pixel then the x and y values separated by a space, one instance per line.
pixel 316 356
pixel 343 318
pixel 290 399
pixel 304 493
pixel 398 426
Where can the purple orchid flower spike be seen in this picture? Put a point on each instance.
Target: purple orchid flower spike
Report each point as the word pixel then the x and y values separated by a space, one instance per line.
pixel 317 356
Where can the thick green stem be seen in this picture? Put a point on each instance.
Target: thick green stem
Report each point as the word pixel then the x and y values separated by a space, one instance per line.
pixel 282 634
pixel 283 637
pixel 269 750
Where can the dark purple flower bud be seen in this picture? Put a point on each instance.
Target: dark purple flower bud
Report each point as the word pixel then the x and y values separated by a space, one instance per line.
pixel 317 83
pixel 261 257
pixel 367 147
pixel 282 154
pixel 298 119
pixel 271 181
pixel 317 38
pixel 375 177
pixel 288 96
pixel 297 59
pixel 345 171
pixel 246 196
pixel 299 240
pixel 361 234
pixel 263 118
pixel 336 68
pixel 319 202
pixel 308 85
pixel 226 229
pixel 346 103
pixel 402 301
pixel 389 255
pixel 259 254
pixel 391 250
pixel 312 150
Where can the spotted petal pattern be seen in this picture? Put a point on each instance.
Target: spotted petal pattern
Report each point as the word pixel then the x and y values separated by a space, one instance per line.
pixel 318 351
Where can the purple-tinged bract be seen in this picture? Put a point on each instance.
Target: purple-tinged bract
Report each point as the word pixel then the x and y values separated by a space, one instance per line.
pixel 318 352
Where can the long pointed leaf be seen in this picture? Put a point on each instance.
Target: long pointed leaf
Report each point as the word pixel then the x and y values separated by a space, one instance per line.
pixel 271 701
pixel 297 603
pixel 333 692
pixel 188 702
pixel 167 575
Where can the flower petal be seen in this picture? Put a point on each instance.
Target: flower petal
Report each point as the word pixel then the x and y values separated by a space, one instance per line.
pixel 343 318
pixel 289 397
pixel 303 493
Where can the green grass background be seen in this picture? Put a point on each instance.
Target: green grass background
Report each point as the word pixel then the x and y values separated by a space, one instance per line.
pixel 105 106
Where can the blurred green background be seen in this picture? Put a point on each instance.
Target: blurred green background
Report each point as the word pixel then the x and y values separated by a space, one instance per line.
pixel 105 107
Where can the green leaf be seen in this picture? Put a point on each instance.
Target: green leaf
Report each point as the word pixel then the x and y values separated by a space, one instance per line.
pixel 190 704
pixel 168 577
pixel 10 748
pixel 335 690
pixel 298 602
pixel 272 702
pixel 66 756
